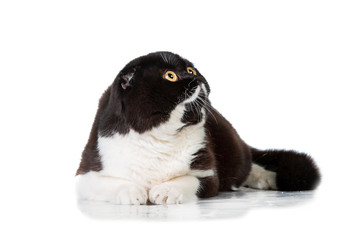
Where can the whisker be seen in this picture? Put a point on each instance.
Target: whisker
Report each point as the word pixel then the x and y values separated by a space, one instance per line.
pixel 196 109
pixel 208 107
pixel 191 82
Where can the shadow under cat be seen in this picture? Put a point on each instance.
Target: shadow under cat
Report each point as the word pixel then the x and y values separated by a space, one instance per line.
pixel 225 205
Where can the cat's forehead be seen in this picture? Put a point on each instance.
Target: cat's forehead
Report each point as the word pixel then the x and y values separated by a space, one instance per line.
pixel 161 60
pixel 171 59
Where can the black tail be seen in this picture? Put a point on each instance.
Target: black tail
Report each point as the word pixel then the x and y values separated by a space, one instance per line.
pixel 294 171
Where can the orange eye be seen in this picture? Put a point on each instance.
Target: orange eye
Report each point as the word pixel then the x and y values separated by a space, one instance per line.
pixel 191 71
pixel 170 76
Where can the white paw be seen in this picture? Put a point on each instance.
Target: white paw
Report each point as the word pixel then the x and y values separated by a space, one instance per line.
pixel 166 194
pixel 131 194
pixel 260 178
pixel 265 184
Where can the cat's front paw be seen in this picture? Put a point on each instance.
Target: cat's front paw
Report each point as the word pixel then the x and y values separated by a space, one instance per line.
pixel 166 194
pixel 131 195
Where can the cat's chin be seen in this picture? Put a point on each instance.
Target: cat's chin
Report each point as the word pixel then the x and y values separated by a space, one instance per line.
pixel 204 91
pixel 193 96
pixel 200 92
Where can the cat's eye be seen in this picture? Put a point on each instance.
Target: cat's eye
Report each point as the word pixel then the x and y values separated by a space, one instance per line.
pixel 170 76
pixel 191 70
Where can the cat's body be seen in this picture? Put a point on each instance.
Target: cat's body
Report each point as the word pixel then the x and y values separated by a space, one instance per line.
pixel 157 139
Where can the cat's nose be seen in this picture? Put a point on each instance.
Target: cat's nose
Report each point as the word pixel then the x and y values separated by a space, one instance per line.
pixel 200 80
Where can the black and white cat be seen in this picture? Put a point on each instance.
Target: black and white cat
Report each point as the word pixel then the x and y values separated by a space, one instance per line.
pixel 156 139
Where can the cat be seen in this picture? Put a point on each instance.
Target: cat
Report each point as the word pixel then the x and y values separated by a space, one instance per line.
pixel 156 139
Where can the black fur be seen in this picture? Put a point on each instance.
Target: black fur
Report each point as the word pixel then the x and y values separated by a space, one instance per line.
pixel 295 171
pixel 140 99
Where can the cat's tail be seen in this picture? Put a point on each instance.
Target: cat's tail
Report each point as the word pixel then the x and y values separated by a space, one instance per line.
pixel 282 170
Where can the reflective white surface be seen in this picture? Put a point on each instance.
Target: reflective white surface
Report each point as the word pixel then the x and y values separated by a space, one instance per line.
pixel 284 73
pixel 225 205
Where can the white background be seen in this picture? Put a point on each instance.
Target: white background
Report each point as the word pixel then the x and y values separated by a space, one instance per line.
pixel 285 73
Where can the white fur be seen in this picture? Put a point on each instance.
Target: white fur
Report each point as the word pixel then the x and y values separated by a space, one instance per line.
pixel 94 186
pixel 193 96
pixel 204 88
pixel 202 173
pixel 154 163
pixel 175 191
pixel 260 178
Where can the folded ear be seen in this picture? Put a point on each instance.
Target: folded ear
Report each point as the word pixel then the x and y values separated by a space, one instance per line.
pixel 126 77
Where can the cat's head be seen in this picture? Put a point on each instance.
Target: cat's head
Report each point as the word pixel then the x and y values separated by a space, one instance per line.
pixel 150 87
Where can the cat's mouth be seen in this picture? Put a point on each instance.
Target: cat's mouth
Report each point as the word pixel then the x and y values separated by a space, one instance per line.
pixel 203 92
pixel 195 106
pixel 200 93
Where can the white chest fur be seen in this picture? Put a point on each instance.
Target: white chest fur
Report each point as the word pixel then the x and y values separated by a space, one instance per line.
pixel 155 156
